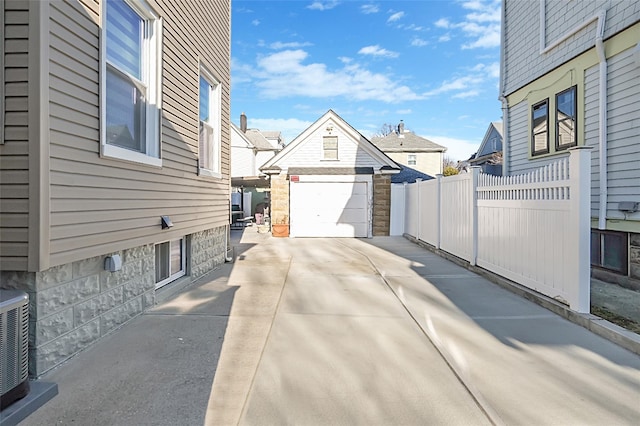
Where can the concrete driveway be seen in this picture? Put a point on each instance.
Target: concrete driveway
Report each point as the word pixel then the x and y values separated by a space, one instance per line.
pixel 345 332
pixel 381 332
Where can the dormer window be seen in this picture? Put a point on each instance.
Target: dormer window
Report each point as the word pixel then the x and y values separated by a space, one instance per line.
pixel 330 148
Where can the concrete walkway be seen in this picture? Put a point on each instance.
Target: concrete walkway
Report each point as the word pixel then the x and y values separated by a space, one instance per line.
pixel 346 331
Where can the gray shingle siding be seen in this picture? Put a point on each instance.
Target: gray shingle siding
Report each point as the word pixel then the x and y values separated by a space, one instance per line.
pixel 522 34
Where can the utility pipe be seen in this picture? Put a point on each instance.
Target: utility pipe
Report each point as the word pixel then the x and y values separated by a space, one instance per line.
pixel 602 117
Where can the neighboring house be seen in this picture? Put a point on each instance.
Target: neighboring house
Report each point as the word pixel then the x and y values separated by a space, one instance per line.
pixel 405 147
pixel 251 148
pixel 409 175
pixel 115 160
pixel 331 181
pixel 489 155
pixel 573 82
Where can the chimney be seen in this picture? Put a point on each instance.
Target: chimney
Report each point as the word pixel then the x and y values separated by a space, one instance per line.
pixel 401 127
pixel 243 123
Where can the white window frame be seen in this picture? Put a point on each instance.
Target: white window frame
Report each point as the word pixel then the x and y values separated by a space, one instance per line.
pixel 325 150
pixel 214 123
pixel 152 76
pixel 410 158
pixel 183 263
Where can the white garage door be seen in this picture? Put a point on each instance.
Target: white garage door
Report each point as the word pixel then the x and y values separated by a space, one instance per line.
pixel 329 209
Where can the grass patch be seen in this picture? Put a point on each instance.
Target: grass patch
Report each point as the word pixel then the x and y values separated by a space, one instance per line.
pixel 616 319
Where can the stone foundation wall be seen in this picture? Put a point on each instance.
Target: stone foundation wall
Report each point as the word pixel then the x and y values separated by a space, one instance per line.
pixel 381 205
pixel 73 305
pixel 206 251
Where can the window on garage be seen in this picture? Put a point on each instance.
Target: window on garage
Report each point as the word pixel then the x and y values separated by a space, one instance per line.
pixel 330 148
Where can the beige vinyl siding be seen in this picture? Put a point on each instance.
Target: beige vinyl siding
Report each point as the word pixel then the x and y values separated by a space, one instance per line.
pixel 100 205
pixel 14 153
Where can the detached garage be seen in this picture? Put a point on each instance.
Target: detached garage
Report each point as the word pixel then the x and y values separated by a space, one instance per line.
pixel 331 181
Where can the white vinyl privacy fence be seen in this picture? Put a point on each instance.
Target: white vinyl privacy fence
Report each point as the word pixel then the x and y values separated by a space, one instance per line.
pixel 533 229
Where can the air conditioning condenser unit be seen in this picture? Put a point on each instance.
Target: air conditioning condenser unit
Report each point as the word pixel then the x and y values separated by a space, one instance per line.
pixel 14 346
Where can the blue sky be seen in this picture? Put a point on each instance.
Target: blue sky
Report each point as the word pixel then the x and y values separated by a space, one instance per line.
pixel 433 64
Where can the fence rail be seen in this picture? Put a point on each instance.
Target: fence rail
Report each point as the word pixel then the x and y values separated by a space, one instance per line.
pixel 533 229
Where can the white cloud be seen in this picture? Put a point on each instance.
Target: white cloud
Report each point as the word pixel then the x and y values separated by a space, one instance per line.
pixel 378 51
pixel 395 17
pixel 457 84
pixel 278 45
pixel 323 5
pixel 444 38
pixel 481 26
pixel 255 22
pixel 290 127
pixel 442 23
pixel 286 74
pixel 457 149
pixel 404 111
pixel 467 94
pixel 418 42
pixel 491 70
pixel 369 9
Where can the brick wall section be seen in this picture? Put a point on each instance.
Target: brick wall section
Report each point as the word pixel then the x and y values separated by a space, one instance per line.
pixel 381 204
pixel 634 255
pixel 73 305
pixel 279 199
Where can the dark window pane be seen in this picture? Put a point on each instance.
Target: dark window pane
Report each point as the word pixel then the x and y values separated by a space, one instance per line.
pixel 162 262
pixel 615 252
pixel 566 118
pixel 595 248
pixel 125 112
pixel 540 127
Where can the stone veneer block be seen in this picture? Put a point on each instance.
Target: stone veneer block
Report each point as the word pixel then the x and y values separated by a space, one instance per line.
pixel 92 308
pixel 138 253
pixel 138 286
pixel 67 294
pixel 118 316
pixel 54 276
pixel 47 356
pixel 86 267
pixel 634 239
pixel 53 327
pixel 129 271
pixel 18 280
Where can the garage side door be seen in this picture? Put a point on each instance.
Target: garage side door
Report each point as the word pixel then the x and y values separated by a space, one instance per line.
pixel 329 209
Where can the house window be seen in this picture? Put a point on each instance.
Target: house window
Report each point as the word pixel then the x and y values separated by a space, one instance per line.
pixel 330 147
pixel 540 128
pixel 411 159
pixel 130 85
pixel 170 261
pixel 566 119
pixel 609 250
pixel 210 125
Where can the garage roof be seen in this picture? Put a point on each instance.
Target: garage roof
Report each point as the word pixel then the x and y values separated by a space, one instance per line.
pixel 330 171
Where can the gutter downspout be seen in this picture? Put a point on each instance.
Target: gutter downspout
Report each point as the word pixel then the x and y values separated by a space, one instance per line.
pixel 602 118
pixel 503 99
pixel 600 17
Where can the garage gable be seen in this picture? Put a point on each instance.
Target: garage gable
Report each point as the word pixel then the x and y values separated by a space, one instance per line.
pixel 322 183
pixel 331 142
